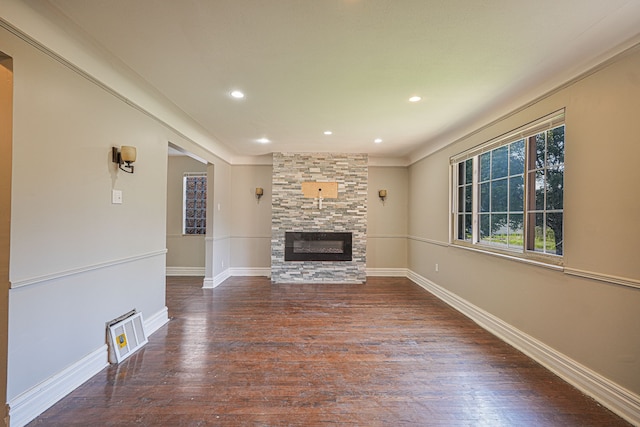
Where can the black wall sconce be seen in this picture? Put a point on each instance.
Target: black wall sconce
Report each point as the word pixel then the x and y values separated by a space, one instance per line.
pixel 259 193
pixel 124 157
pixel 382 194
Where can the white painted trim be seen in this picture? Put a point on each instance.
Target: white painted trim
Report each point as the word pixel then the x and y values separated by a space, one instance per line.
pixel 516 257
pixel 250 271
pixel 221 277
pixel 156 321
pixel 106 264
pixel 263 160
pixel 185 271
pixel 209 283
pixel 488 251
pixel 430 241
pixel 558 84
pixel 33 402
pixel 602 277
pixel 388 161
pixel 386 272
pixel 98 69
pixel 615 397
pixel 386 236
pixel 541 124
pixel 617 280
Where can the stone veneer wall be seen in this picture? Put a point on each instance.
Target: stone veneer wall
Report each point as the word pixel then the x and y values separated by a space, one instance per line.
pixel 292 212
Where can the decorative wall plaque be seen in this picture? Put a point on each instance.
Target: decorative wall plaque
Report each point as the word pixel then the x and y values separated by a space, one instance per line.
pixel 313 190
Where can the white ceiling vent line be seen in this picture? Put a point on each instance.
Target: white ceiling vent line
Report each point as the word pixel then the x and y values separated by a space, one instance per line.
pixel 126 335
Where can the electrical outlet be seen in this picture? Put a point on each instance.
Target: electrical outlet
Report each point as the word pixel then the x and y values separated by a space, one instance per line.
pixel 437 268
pixel 116 197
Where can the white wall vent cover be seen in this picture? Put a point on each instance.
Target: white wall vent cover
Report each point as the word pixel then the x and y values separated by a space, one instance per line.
pixel 125 337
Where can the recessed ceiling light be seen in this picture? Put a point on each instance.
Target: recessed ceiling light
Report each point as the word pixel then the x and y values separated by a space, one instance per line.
pixel 415 98
pixel 263 140
pixel 237 94
pixel 377 140
pixel 328 132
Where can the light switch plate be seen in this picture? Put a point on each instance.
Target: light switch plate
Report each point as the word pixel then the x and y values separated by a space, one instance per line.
pixel 116 197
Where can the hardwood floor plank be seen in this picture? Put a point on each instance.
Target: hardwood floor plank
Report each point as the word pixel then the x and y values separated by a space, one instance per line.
pixel 385 353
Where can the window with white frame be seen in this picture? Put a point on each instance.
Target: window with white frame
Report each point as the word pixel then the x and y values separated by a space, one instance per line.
pixel 194 212
pixel 509 192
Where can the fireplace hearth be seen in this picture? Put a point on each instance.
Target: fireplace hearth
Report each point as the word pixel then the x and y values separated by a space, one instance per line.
pixel 316 246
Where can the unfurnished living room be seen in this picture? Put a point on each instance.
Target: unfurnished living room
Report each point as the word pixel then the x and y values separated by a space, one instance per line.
pixel 302 213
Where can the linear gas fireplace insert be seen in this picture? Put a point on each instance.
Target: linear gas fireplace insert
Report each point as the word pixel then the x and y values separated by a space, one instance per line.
pixel 314 246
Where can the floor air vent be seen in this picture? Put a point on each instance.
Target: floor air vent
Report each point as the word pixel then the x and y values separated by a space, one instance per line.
pixel 126 335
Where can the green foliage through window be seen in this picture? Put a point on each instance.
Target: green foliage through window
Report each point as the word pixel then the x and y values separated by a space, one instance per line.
pixel 519 197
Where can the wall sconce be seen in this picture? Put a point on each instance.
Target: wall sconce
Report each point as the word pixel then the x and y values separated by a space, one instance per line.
pixel 259 193
pixel 124 157
pixel 382 194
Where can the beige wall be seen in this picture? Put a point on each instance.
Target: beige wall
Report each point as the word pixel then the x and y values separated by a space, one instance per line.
pixel 77 260
pixel 182 250
pixel 219 214
pixel 74 254
pixel 594 322
pixel 6 120
pixel 251 219
pixel 387 221
pixel 222 215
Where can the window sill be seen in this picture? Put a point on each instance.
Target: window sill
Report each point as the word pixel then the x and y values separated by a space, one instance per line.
pixel 539 260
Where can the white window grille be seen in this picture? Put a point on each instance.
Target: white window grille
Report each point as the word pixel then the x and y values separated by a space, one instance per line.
pixel 508 193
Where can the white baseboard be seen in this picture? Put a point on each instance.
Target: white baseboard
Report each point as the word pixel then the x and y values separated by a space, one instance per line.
pixel 28 405
pixel 615 397
pixel 210 283
pixel 221 278
pixel 156 321
pixel 387 272
pixel 185 271
pixel 250 271
pixel 33 402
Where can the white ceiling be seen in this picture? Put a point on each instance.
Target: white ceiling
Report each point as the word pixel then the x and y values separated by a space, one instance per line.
pixel 349 66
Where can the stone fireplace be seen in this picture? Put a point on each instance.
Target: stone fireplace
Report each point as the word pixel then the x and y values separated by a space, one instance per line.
pixel 330 230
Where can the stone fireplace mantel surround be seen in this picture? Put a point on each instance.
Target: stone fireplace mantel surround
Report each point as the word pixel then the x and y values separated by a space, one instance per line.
pixel 291 211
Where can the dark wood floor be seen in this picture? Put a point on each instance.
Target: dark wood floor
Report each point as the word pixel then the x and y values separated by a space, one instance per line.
pixel 386 353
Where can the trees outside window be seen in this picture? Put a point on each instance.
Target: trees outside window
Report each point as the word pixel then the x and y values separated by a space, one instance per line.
pixel 546 191
pixel 509 195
